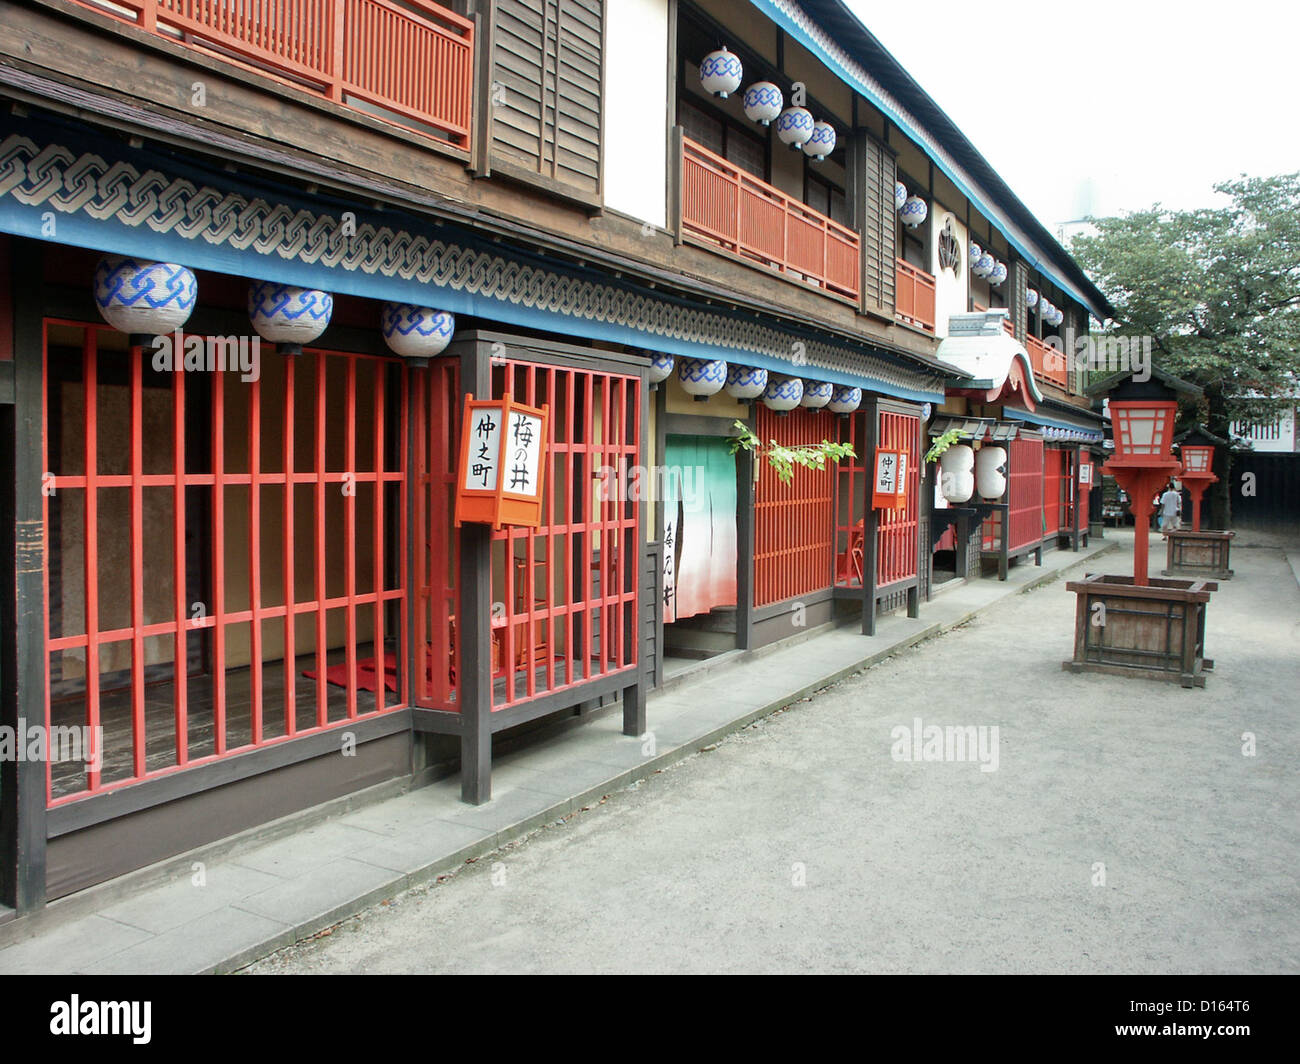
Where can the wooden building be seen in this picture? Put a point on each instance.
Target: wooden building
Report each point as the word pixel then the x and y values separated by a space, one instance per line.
pixel 240 575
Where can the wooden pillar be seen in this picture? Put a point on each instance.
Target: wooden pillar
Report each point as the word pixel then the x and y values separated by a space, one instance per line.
pixel 634 695
pixel 871 521
pixel 745 540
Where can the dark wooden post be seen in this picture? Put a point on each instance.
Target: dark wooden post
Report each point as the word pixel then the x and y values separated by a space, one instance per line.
pixel 745 541
pixel 634 695
pixel 870 522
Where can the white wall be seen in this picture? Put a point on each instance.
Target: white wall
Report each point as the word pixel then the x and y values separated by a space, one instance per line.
pixel 636 101
pixel 949 287
pixel 1285 440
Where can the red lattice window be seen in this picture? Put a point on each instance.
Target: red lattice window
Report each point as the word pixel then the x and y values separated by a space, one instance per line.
pixel 896 555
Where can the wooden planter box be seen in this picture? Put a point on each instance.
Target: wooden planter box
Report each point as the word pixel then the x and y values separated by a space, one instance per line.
pixel 1199 554
pixel 1155 632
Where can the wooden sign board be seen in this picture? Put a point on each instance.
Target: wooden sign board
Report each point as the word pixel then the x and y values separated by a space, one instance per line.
pixel 501 475
pixel 889 491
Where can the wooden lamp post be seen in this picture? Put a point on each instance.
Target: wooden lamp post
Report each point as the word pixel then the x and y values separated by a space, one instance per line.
pixel 1193 550
pixel 1196 449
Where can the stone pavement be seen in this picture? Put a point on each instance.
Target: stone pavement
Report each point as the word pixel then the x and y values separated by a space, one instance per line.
pixel 273 887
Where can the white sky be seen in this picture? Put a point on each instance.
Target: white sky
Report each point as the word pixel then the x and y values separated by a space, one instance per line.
pixel 1155 101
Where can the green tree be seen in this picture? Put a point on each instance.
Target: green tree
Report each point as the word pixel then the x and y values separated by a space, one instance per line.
pixel 1218 290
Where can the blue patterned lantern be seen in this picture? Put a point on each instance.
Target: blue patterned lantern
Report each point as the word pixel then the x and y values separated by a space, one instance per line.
pixel 998 274
pixel 763 102
pixel 845 399
pixel 975 252
pixel 816 394
pixel 702 377
pixel 822 141
pixel 144 299
pixel 1058 317
pixel 900 195
pixel 287 316
pixel 416 332
pixel 1031 298
pixel 914 212
pixel 661 367
pixel 782 394
pixel 984 266
pixel 746 382
pixel 721 72
pixel 795 126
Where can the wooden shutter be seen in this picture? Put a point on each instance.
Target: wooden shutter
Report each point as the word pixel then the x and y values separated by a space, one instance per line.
pixel 1019 301
pixel 877 173
pixel 547 57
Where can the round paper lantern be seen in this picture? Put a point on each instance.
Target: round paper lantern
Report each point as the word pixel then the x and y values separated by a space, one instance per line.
pixel 416 332
pixel 763 102
pixel 782 394
pixel 816 394
pixel 914 212
pixel 900 195
pixel 822 141
pixel 957 473
pixel 991 472
pixel 142 298
pixel 1031 298
pixel 998 274
pixel 845 399
pixel 721 72
pixel 661 367
pixel 1058 317
pixel 975 252
pixel 794 126
pixel 702 377
pixel 746 382
pixel 287 316
pixel 984 266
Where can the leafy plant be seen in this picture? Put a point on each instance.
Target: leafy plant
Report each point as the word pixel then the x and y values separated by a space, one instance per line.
pixel 784 459
pixel 941 444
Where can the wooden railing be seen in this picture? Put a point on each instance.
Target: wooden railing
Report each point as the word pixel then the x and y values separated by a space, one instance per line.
pixel 414 61
pixel 1047 362
pixel 724 205
pixel 914 297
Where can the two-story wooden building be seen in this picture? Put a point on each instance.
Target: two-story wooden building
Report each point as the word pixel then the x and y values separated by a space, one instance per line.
pixel 231 560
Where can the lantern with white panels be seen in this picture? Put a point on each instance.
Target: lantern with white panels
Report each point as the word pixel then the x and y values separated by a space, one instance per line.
pixel 144 299
pixel 822 141
pixel 763 102
pixel 794 126
pixel 721 72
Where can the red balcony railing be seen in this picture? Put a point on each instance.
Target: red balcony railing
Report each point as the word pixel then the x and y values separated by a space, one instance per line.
pixel 1047 362
pixel 414 61
pixel 914 297
pixel 724 205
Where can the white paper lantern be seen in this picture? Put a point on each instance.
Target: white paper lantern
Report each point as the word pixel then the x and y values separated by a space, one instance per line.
pixel 782 394
pixel 845 399
pixel 288 316
pixel 415 332
pixel 816 394
pixel 914 212
pixel 975 252
pixel 822 141
pixel 721 72
pixel 991 472
pixel 702 377
pixel 763 102
pixel 998 274
pixel 900 195
pixel 957 473
pixel 984 266
pixel 794 126
pixel 746 382
pixel 1058 317
pixel 661 367
pixel 1031 298
pixel 142 298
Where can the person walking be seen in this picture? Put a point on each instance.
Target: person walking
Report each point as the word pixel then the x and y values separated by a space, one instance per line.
pixel 1171 509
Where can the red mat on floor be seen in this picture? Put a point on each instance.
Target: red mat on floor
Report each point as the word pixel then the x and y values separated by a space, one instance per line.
pixel 366 674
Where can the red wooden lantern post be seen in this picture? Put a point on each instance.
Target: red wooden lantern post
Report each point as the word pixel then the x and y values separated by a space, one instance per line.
pixel 1144 431
pixel 1198 474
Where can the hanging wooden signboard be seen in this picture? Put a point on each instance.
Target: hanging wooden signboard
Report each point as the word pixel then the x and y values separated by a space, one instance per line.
pixel 890 489
pixel 502 468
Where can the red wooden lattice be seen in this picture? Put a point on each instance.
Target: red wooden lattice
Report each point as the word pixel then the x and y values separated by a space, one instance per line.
pixel 1054 501
pixel 896 547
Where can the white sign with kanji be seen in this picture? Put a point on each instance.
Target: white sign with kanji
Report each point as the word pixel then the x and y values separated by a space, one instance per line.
pixel 523 454
pixel 484 449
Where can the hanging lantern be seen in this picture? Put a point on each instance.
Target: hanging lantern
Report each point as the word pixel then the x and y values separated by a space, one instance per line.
pixel 991 472
pixel 782 394
pixel 983 266
pixel 794 126
pixel 975 252
pixel 822 141
pixel 702 377
pixel 957 473
pixel 1058 317
pixel 998 274
pixel 144 299
pixel 746 382
pixel 763 102
pixel 845 399
pixel 816 394
pixel 287 316
pixel 416 332
pixel 1031 298
pixel 914 212
pixel 661 367
pixel 721 72
pixel 900 195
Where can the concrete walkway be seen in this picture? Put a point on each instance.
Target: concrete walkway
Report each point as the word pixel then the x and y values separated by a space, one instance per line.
pixel 220 908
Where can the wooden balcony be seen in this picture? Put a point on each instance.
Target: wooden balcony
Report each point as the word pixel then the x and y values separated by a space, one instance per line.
pixel 914 297
pixel 725 206
pixel 411 64
pixel 1048 363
